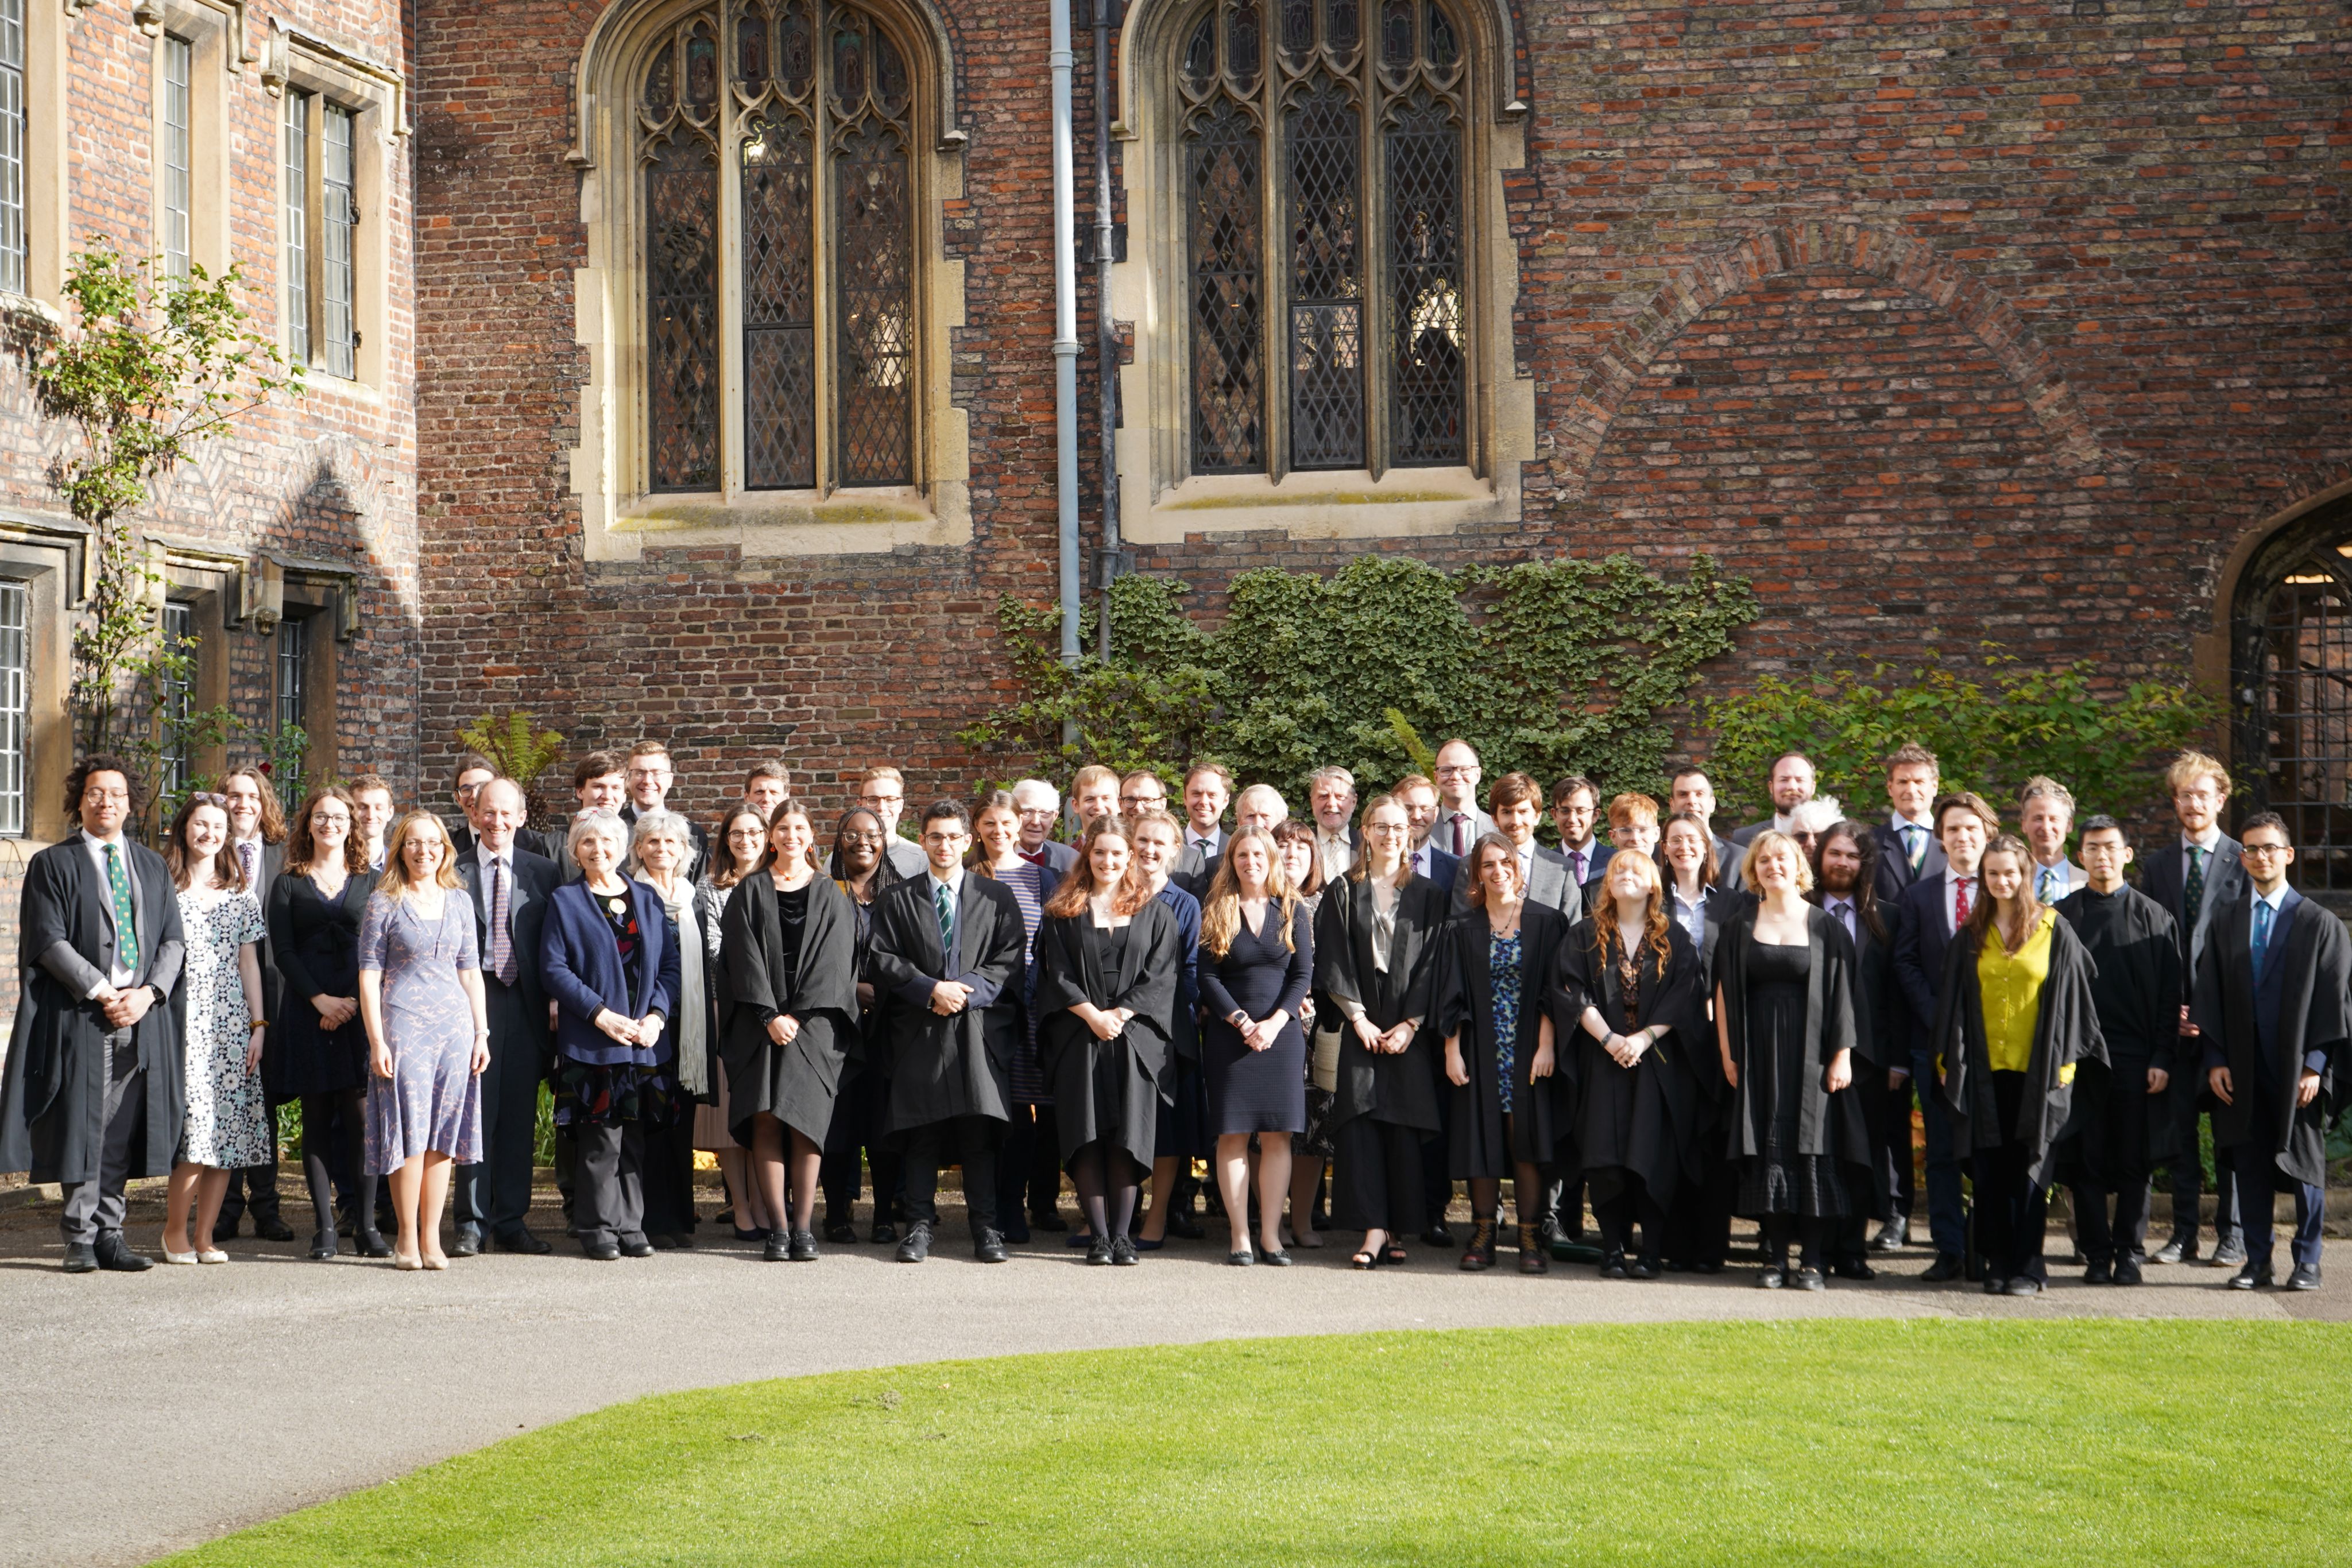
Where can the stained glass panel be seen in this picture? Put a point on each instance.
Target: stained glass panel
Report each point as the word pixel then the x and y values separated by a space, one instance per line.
pixel 1339 25
pixel 779 307
pixel 751 51
pixel 796 50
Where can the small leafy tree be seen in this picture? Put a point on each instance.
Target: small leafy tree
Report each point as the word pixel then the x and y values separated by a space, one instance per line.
pixel 1992 723
pixel 151 368
pixel 515 744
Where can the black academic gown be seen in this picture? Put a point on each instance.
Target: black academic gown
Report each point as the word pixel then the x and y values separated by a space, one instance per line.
pixel 1828 1125
pixel 1108 1089
pixel 2120 1129
pixel 1476 1146
pixel 1399 1089
pixel 795 1083
pixel 2065 1035
pixel 1643 1118
pixel 1882 1043
pixel 2312 972
pixel 960 1065
pixel 53 1089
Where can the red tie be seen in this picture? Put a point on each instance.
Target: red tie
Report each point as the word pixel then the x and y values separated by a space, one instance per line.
pixel 1461 836
pixel 1961 885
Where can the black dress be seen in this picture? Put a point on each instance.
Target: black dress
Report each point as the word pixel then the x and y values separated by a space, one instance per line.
pixel 789 954
pixel 1107 1090
pixel 1258 1090
pixel 1778 1178
pixel 316 943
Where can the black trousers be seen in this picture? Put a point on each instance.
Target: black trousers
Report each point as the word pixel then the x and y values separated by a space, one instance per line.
pixel 670 1174
pixel 2189 1176
pixel 2012 1212
pixel 1628 1200
pixel 1377 1181
pixel 1698 1224
pixel 1437 1187
pixel 2103 1240
pixel 1892 1176
pixel 1029 1166
pixel 494 1197
pixel 252 1188
pixel 608 1195
pixel 855 1127
pixel 970 1141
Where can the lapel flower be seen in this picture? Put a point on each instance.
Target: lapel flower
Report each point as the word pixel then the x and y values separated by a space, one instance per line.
pixel 616 904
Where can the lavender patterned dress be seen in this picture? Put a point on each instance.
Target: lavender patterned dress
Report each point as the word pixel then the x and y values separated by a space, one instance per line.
pixel 432 1101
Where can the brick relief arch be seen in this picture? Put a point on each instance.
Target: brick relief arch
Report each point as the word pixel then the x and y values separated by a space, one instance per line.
pixel 1902 259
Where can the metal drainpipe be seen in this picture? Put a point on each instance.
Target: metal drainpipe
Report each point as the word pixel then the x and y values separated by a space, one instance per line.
pixel 1066 340
pixel 1106 329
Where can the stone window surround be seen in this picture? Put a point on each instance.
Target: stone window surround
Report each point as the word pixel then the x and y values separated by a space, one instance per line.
pixel 49 555
pixel 610 467
pixel 1161 502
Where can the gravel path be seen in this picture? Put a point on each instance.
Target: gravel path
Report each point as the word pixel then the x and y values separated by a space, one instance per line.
pixel 141 1413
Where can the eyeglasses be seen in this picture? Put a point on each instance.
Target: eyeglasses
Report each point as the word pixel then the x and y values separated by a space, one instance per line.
pixel 2265 850
pixel 856 837
pixel 1453 769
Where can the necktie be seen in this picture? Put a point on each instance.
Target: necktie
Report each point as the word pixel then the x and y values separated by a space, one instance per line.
pixel 2192 896
pixel 1845 912
pixel 502 962
pixel 2261 937
pixel 126 923
pixel 247 852
pixel 1577 856
pixel 1034 857
pixel 1461 836
pixel 944 901
pixel 2041 885
pixel 1961 887
pixel 1915 843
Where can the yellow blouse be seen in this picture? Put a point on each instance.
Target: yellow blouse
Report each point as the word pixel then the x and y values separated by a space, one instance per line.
pixel 2011 984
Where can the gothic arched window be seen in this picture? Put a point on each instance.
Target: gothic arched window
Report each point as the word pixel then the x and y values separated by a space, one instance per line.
pixel 1323 162
pixel 2292 681
pixel 776 140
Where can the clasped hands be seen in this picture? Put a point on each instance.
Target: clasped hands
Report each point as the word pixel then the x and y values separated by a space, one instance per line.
pixel 950 997
pixel 1379 1041
pixel 334 1012
pixel 641 1031
pixel 124 1008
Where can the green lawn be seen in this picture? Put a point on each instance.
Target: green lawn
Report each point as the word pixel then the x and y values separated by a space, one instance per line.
pixel 1946 1442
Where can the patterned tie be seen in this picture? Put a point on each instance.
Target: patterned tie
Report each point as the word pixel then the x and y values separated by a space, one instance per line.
pixel 1960 888
pixel 1914 844
pixel 944 901
pixel 502 960
pixel 126 923
pixel 2041 885
pixel 2192 896
pixel 246 854
pixel 2261 937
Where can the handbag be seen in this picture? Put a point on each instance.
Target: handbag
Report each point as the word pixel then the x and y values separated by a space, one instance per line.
pixel 1324 1064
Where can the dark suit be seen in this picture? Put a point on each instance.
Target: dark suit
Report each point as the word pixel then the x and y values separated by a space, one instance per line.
pixel 1439 866
pixel 1923 930
pixel 1895 873
pixel 1728 856
pixel 261 1180
pixel 2165 878
pixel 1192 861
pixel 494 1197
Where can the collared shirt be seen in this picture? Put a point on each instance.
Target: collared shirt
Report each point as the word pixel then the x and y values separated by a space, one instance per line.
pixel 485 859
pixel 1424 860
pixel 2052 883
pixel 1038 856
pixel 1905 828
pixel 1207 843
pixel 1452 825
pixel 1691 915
pixel 1841 910
pixel 1333 852
pixel 1976 891
pixel 248 859
pixel 120 975
pixel 954 882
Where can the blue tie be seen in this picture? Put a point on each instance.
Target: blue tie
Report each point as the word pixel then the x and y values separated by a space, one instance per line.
pixel 2261 937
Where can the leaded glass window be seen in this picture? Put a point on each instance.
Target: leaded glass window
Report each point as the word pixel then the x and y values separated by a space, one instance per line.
pixel 15 692
pixel 12 146
pixel 179 153
pixel 297 126
pixel 340 209
pixel 179 695
pixel 809 107
pixel 1324 314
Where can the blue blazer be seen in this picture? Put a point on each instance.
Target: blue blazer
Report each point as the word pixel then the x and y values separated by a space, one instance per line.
pixel 579 968
pixel 1921 935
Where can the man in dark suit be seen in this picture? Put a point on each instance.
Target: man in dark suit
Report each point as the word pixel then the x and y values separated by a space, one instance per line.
pixel 2193 877
pixel 1207 789
pixel 1460 822
pixel 1791 784
pixel 648 776
pixel 91 1094
pixel 474 770
pixel 2273 995
pixel 508 888
pixel 257 837
pixel 1691 790
pixel 1927 916
pixel 1907 846
pixel 1418 796
pixel 1040 805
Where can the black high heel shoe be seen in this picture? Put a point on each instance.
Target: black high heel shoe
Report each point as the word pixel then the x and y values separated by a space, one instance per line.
pixel 322 1245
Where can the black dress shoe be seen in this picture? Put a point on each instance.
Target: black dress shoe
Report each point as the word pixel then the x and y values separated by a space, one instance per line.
pixel 1892 1235
pixel 1240 1259
pixel 1047 1220
pixel 372 1244
pixel 1809 1280
pixel 1995 1285
pixel 1854 1267
pixel 2102 1271
pixel 2251 1276
pixel 2230 1254
pixel 1438 1235
pixel 918 1244
pixel 989 1246
pixel 82 1258
pixel 115 1254
pixel 1773 1278
pixel 2305 1277
pixel 883 1234
pixel 777 1249
pixel 841 1235
pixel 1183 1224
pixel 801 1248
pixel 1612 1266
pixel 521 1240
pixel 2023 1285
pixel 271 1228
pixel 225 1230
pixel 637 1247
pixel 1017 1231
pixel 601 1252
pixel 1948 1267
pixel 1123 1252
pixel 2126 1271
pixel 322 1246
pixel 1099 1252
pixel 466 1243
pixel 1644 1268
pixel 663 1240
pixel 1712 1266
pixel 2181 1248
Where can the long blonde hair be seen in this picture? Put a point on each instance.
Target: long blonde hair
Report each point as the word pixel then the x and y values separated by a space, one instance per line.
pixel 396 884
pixel 1220 912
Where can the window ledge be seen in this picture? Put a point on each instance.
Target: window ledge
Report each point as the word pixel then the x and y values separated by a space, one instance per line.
pixel 27 312
pixel 865 521
pixel 1340 504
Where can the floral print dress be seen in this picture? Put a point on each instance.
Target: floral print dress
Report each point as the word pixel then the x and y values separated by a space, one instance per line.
pixel 229 1118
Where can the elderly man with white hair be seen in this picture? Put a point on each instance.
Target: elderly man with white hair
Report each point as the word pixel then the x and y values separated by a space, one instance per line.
pixel 1812 819
pixel 1331 795
pixel 1261 807
pixel 1040 805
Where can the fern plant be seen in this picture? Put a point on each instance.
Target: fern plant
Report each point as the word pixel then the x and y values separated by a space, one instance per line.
pixel 514 743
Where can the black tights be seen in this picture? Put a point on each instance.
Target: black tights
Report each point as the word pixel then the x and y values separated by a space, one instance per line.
pixel 1806 1230
pixel 1528 1194
pixel 318 1114
pixel 1107 1177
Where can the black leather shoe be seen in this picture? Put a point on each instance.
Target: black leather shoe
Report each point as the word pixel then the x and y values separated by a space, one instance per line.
pixel 1045 1219
pixel 1277 1259
pixel 1438 1235
pixel 1240 1259
pixel 466 1243
pixel 1612 1266
pixel 271 1228
pixel 989 1247
pixel 1181 1224
pixel 1099 1252
pixel 2023 1285
pixel 521 1240
pixel 115 1254
pixel 637 1247
pixel 2230 1254
pixel 82 1258
pixel 600 1251
pixel 1995 1285
pixel 1892 1235
pixel 322 1246
pixel 2181 1248
pixel 883 1234
pixel 2253 1276
pixel 1948 1267
pixel 777 1249
pixel 2305 1277
pixel 2127 1270
pixel 918 1244
pixel 664 1240
pixel 1123 1252
pixel 1854 1268
pixel 225 1230
pixel 1773 1278
pixel 1644 1268
pixel 1017 1231
pixel 841 1235
pixel 2102 1271
pixel 801 1248
pixel 1808 1279
pixel 372 1244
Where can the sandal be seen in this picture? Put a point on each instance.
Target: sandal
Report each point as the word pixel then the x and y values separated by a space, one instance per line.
pixel 1393 1255
pixel 1366 1260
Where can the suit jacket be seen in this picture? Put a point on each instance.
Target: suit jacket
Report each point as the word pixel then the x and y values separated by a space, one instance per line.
pixel 54 1083
pixel 1443 868
pixel 1441 833
pixel 958 1065
pixel 1895 873
pixel 1192 860
pixel 535 882
pixel 1059 857
pixel 1922 931
pixel 1726 863
pixel 2166 880
pixel 2305 991
pixel 579 966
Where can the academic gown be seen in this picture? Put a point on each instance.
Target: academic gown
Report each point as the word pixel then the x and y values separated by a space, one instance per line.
pixel 1643 1118
pixel 960 1065
pixel 1399 1089
pixel 2314 968
pixel 2065 1035
pixel 53 1088
pixel 1476 1148
pixel 1107 1088
pixel 2120 1129
pixel 1882 1042
pixel 795 1083
pixel 1828 1125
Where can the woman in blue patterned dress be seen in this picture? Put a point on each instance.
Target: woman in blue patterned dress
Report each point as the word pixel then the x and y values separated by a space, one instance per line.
pixel 227 1124
pixel 429 1031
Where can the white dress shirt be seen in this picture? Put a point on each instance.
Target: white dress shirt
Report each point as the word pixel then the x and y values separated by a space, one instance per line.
pixel 120 974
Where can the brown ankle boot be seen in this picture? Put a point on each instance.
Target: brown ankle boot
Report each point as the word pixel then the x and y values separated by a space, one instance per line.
pixel 1480 1253
pixel 1531 1251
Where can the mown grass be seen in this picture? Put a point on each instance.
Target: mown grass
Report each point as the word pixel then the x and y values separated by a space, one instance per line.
pixel 1854 1442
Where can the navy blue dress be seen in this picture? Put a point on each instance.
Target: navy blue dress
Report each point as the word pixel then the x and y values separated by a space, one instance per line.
pixel 1258 1090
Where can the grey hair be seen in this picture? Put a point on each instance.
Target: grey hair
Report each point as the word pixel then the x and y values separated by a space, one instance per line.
pixel 1334 771
pixel 1282 808
pixel 2042 786
pixel 652 824
pixel 596 822
pixel 1818 815
pixel 1035 787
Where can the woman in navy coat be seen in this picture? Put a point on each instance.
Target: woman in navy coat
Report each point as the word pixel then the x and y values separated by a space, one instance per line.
pixel 608 956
